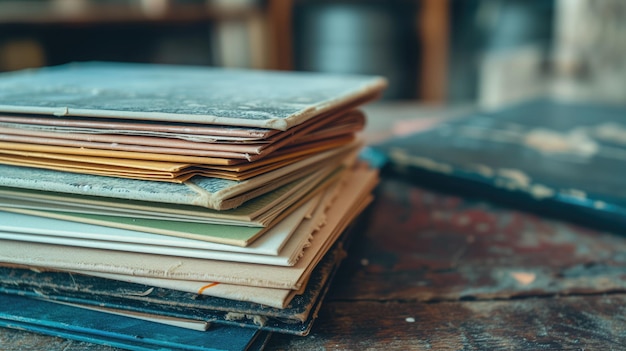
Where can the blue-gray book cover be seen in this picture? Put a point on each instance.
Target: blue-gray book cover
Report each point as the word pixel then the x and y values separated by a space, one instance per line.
pixel 560 158
pixel 81 324
pixel 174 93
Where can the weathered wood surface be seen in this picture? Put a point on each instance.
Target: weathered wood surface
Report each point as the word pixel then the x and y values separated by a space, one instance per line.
pixel 569 323
pixel 426 246
pixel 17 340
pixel 437 272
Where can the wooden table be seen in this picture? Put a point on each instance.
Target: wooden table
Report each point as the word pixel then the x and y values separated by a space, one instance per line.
pixel 435 271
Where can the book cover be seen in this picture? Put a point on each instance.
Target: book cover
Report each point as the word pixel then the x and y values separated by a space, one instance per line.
pixel 265 99
pixel 561 158
pixel 82 324
pixel 261 211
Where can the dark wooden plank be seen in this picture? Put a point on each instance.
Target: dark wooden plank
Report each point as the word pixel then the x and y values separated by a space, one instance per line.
pixel 434 34
pixel 570 323
pixel 17 340
pixel 423 245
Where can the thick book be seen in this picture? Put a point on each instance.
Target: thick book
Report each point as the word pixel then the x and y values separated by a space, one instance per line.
pixel 71 322
pixel 561 158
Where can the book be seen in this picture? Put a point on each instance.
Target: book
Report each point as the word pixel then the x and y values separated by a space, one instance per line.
pixel 204 95
pixel 559 158
pixel 115 330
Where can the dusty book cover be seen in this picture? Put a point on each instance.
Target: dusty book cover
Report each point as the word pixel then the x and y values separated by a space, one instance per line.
pixel 118 330
pixel 261 211
pixel 561 158
pixel 265 99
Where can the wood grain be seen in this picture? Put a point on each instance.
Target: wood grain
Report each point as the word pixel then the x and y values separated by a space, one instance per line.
pixel 426 246
pixel 570 323
pixel 17 340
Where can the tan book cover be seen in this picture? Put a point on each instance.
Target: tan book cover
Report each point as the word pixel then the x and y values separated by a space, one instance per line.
pixel 162 170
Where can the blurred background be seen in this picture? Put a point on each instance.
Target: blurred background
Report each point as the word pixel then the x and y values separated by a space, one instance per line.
pixel 484 52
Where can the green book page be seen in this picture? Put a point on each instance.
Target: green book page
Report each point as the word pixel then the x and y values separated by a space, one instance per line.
pixel 224 234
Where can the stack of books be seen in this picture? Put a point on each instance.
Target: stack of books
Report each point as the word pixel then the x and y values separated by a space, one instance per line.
pixel 209 202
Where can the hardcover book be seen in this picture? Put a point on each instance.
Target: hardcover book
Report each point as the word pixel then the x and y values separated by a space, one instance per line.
pixel 566 159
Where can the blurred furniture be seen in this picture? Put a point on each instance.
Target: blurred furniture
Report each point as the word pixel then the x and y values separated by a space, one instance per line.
pixel 406 40
pixel 221 33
